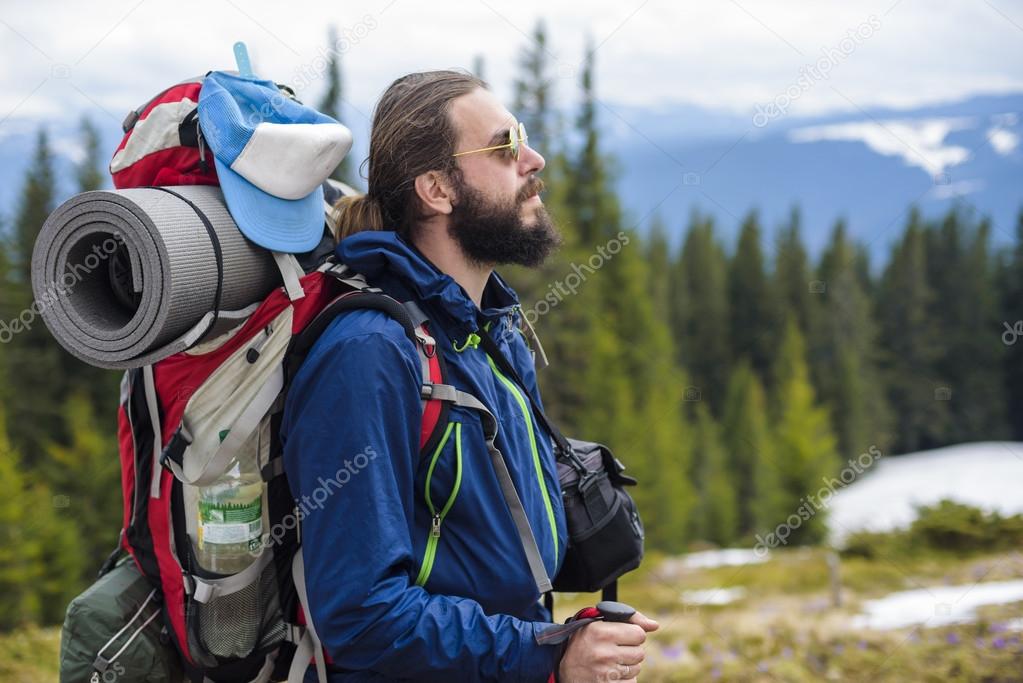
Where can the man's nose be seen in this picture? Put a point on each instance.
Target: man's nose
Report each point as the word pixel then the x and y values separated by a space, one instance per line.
pixel 530 161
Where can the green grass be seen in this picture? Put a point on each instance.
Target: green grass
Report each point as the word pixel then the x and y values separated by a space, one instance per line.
pixel 30 655
pixel 783 630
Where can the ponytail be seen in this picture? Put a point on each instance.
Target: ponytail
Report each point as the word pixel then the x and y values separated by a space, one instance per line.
pixel 356 213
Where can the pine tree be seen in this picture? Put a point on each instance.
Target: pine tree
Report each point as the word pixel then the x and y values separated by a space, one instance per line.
pixel 332 102
pixel 36 202
pixel 1012 321
pixel 19 552
pixel 804 442
pixel 658 438
pixel 701 318
pixel 752 306
pixel 8 303
pixel 658 258
pixel 844 351
pixel 595 211
pixel 716 518
pixel 61 552
pixel 41 555
pixel 792 277
pixel 533 90
pixel 35 390
pixel 961 274
pixel 752 463
pixel 89 172
pixel 910 343
pixel 87 474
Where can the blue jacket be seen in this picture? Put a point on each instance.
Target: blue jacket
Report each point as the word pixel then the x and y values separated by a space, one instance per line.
pixel 385 604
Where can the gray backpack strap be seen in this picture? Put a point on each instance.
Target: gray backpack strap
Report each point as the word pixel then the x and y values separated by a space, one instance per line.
pixel 446 392
pixel 153 407
pixel 309 645
pixel 102 663
pixel 291 273
pixel 206 590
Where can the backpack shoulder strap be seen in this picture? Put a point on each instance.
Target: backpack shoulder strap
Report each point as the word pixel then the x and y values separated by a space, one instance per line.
pixel 408 315
pixel 435 411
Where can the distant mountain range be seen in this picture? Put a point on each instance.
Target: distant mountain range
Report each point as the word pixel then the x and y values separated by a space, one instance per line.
pixel 866 167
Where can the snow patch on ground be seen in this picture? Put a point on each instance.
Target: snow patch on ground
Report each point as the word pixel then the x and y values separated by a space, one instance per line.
pixel 936 606
pixel 986 475
pixel 713 596
pixel 725 557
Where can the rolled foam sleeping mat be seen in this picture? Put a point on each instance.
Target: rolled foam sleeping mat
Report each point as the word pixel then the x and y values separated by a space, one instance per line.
pixel 123 278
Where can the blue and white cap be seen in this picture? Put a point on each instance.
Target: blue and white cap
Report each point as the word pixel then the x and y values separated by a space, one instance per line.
pixel 272 155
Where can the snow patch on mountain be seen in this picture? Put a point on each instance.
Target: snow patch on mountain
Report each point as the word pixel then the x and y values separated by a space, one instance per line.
pixel 919 142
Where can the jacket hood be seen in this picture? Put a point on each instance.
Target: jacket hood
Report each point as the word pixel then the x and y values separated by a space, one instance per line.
pixel 384 257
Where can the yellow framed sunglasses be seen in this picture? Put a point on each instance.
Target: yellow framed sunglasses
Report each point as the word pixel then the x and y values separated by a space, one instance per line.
pixel 516 138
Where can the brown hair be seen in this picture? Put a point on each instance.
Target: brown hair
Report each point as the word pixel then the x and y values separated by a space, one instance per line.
pixel 412 133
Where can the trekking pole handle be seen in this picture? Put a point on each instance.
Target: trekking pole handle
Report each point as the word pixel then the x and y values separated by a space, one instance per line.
pixel 607 610
pixel 615 611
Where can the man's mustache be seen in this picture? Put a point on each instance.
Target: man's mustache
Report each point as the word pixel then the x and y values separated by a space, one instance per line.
pixel 533 186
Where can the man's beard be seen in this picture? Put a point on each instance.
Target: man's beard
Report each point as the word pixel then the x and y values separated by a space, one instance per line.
pixel 493 232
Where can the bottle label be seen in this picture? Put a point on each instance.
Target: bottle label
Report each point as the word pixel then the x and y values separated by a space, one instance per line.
pixel 231 523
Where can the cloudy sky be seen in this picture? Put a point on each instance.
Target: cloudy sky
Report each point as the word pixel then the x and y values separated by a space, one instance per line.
pixel 730 55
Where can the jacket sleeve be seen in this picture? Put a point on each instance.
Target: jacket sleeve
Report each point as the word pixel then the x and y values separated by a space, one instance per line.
pixel 351 438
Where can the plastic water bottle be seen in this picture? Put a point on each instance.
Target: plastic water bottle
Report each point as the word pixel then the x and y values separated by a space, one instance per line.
pixel 230 519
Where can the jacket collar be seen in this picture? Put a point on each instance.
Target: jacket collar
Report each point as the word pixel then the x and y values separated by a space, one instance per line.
pixel 385 259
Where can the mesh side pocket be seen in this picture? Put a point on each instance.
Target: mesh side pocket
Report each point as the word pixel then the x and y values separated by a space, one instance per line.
pixel 237 625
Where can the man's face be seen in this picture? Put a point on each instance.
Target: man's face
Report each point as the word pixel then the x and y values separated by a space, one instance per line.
pixel 498 216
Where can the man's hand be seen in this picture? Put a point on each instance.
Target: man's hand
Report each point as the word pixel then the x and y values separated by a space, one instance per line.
pixel 605 651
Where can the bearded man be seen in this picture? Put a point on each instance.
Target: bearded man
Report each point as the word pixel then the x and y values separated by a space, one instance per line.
pixel 415 569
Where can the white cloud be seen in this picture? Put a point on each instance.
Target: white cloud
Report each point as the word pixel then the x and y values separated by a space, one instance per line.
pixel 1003 141
pixel 919 142
pixel 722 55
pixel 956 189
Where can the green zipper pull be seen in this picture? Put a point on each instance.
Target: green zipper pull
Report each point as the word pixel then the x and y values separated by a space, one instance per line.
pixel 435 527
pixel 472 341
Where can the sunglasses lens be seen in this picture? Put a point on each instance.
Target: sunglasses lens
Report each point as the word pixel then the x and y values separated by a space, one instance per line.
pixel 518 138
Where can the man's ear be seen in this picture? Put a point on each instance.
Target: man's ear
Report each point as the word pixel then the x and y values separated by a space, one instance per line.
pixel 435 192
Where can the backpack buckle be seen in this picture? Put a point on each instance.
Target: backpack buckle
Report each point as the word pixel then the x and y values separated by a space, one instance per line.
pixel 175 448
pixel 427 342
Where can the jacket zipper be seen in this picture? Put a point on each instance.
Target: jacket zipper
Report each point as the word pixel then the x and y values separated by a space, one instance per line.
pixel 438 516
pixel 527 415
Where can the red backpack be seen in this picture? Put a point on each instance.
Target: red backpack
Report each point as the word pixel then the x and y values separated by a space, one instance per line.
pixel 243 627
pixel 182 420
pixel 162 143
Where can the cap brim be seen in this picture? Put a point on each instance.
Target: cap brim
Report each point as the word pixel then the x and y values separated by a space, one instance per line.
pixel 287 225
